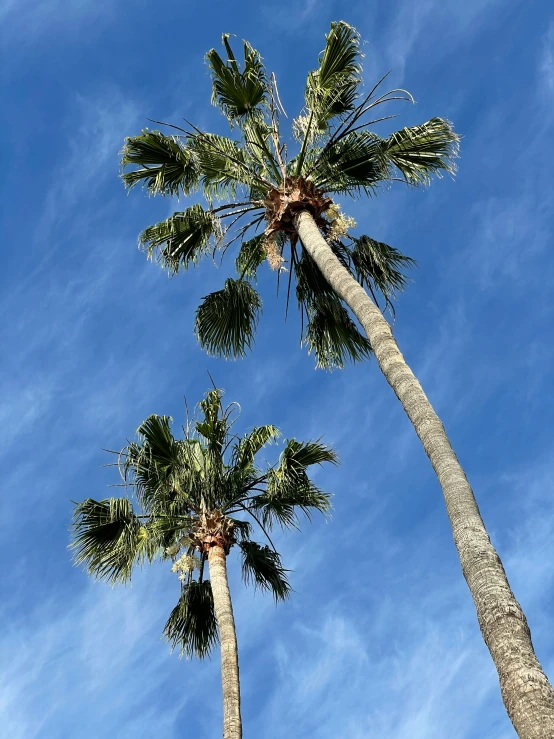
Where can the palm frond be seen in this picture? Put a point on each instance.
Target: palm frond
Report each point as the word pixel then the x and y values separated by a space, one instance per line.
pixel 421 151
pixel 224 166
pixel 165 165
pixel 331 90
pixel 246 449
pixel 152 541
pixel 274 508
pixel 238 94
pixel 332 335
pixel 262 567
pixel 214 425
pixel 242 529
pixel 310 283
pixel 106 538
pixel 378 265
pixel 158 441
pixel 258 137
pixel 285 497
pixel 355 163
pixel 289 487
pixel 182 239
pixel 226 320
pixel 192 625
pixel 297 456
pixel 154 464
pixel 250 256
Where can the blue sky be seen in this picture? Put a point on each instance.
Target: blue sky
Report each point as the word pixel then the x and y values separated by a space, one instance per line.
pixel 380 638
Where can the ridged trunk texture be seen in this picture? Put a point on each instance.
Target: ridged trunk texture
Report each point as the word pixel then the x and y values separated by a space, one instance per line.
pixel 232 725
pixel 526 692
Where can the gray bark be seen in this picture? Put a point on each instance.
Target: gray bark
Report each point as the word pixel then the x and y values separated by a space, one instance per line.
pixel 526 692
pixel 232 725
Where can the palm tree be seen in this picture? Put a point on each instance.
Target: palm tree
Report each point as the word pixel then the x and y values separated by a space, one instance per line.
pixel 192 500
pixel 282 210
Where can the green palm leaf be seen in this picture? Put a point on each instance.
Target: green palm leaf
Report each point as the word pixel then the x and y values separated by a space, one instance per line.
pixel 355 163
pixel 331 90
pixel 420 151
pixel 226 320
pixel 225 166
pixel 332 335
pixel 310 283
pixel 285 497
pixel 159 448
pixel 290 489
pixel 245 451
pixel 257 137
pixel 157 468
pixel 243 529
pixel 215 424
pixel 250 256
pixel 297 456
pixel 107 538
pixel 274 509
pixel 378 265
pixel 192 625
pixel 180 240
pixel 262 567
pixel 238 94
pixel 166 166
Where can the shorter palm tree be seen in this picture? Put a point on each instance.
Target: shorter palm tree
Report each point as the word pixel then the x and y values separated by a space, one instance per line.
pixel 191 500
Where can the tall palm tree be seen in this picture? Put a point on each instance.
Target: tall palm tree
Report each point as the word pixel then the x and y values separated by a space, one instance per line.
pixel 191 500
pixel 282 210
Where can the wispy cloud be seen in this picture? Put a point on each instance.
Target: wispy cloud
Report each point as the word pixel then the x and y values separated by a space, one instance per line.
pixel 29 19
pixel 546 64
pixel 432 27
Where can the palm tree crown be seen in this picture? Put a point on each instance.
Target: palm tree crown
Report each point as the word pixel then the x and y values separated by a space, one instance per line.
pixel 253 189
pixel 187 495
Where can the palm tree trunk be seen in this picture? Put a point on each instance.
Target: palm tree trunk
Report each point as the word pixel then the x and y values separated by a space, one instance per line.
pixel 526 692
pixel 232 725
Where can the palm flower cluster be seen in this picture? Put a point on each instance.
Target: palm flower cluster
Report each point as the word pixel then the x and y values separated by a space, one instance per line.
pixel 255 181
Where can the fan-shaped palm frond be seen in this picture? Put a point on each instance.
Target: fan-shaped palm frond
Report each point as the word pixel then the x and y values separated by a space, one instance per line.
pixel 215 423
pixel 421 151
pixel 226 320
pixel 166 166
pixel 356 163
pixel 252 253
pixel 192 625
pixel 243 529
pixel 289 487
pixel 151 464
pixel 286 497
pixel 262 567
pixel 181 239
pixel 297 456
pixel 332 335
pixel 224 166
pixel 107 538
pixel 378 265
pixel 158 441
pixel 259 138
pixel 331 89
pixel 310 283
pixel 246 449
pixel 238 94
